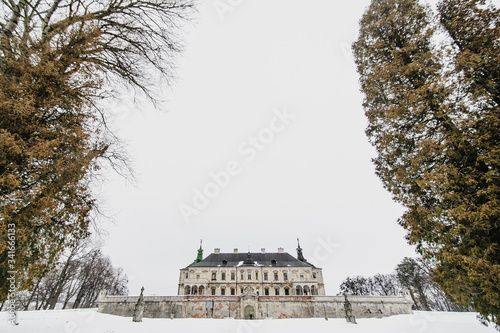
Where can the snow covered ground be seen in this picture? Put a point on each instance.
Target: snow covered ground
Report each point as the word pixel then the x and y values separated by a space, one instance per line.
pixel 89 321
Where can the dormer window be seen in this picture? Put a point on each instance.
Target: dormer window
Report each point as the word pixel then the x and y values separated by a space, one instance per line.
pixel 273 262
pixel 224 262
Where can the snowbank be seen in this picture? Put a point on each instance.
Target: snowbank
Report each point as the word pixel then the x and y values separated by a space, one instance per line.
pixel 89 321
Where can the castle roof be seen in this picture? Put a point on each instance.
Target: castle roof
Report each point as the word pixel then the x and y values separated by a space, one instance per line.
pixel 271 259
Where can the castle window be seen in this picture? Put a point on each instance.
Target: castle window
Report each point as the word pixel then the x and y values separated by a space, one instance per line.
pixel 287 291
pixel 266 291
pixel 223 276
pixel 306 290
pixel 273 262
pixel 242 275
pixel 298 290
pixel 285 276
pixel 314 275
pixel 194 290
pixel 213 291
pixel 187 275
pixel 249 275
pixel 275 276
pixel 314 291
pixel 277 291
pixel 223 291
pixel 187 290
pixel 224 262
pixel 266 277
pixel 241 290
pixel 214 276
pixel 256 275
pixel 233 276
pixel 197 276
pixel 301 277
pixel 233 291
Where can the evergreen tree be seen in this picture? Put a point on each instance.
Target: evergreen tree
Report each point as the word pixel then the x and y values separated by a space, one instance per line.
pixel 58 58
pixel 431 86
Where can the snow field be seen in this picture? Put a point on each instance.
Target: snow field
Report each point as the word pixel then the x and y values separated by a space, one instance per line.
pixel 90 321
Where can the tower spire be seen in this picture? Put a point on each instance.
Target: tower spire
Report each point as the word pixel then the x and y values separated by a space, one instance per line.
pixel 200 253
pixel 300 256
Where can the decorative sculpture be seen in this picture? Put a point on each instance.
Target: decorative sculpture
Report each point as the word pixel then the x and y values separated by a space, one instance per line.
pixel 348 311
pixel 139 308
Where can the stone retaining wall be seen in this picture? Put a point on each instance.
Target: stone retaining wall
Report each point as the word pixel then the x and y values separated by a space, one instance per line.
pixel 255 307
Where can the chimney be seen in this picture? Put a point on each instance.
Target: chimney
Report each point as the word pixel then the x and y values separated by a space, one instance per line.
pixel 281 250
pixel 263 250
pixel 235 251
pixel 216 250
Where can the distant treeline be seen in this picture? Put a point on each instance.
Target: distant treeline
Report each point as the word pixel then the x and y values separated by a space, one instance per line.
pixel 413 275
pixel 75 282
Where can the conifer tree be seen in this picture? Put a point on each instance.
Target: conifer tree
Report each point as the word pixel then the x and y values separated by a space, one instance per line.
pixel 58 58
pixel 431 83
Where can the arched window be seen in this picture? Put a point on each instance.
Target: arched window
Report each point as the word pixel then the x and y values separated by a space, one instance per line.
pixel 201 290
pixel 187 290
pixel 307 290
pixel 194 290
pixel 314 291
pixel 298 290
pixel 287 291
pixel 266 291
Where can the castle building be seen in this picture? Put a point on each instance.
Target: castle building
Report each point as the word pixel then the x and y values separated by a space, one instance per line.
pixel 267 273
pixel 254 286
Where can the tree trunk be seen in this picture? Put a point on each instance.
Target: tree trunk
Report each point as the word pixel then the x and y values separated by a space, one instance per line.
pixel 26 308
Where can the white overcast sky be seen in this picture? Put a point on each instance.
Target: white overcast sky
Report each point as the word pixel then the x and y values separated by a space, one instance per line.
pixel 313 178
